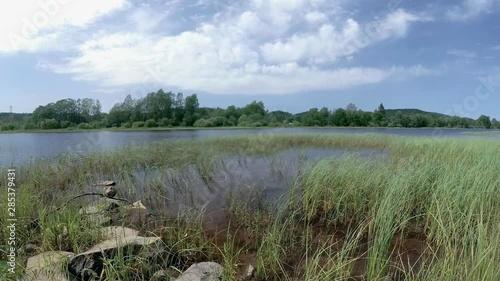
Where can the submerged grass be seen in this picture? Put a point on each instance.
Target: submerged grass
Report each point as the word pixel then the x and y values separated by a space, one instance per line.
pixel 428 211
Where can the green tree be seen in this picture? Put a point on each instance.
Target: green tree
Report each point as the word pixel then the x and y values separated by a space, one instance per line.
pixel 190 109
pixel 495 123
pixel 254 108
pixel 379 114
pixel 324 116
pixel 352 115
pixel 178 109
pixel 233 113
pixel 484 121
pixel 339 118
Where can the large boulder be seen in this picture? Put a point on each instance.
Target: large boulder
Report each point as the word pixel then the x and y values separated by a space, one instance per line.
pixel 48 266
pixel 203 271
pixel 90 262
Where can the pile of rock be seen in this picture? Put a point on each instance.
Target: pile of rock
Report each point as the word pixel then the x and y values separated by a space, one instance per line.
pixel 66 266
pixel 62 266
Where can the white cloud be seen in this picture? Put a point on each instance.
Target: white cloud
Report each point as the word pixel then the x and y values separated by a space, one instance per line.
pixel 263 47
pixel 461 53
pixel 415 71
pixel 146 19
pixel 470 9
pixel 31 27
pixel 330 43
pixel 316 17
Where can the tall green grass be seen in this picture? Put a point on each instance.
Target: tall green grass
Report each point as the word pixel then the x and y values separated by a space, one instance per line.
pixel 343 217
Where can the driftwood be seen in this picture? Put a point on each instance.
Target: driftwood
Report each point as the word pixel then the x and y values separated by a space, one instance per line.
pixel 109 192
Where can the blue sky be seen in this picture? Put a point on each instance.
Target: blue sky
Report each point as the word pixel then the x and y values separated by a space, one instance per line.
pixel 441 56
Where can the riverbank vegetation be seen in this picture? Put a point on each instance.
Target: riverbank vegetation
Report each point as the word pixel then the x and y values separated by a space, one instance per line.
pixel 426 210
pixel 166 109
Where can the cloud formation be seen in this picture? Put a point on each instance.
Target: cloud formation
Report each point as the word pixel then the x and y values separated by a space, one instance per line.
pixel 28 27
pixel 254 47
pixel 470 9
pixel 461 53
pixel 271 47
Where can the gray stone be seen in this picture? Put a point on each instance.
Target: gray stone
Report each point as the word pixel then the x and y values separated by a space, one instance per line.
pixel 48 266
pixel 110 192
pixel 90 261
pixel 204 271
pixel 250 271
pixel 135 214
pixel 108 211
pixel 100 211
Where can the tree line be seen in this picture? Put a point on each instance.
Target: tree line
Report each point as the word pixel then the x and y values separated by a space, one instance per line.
pixel 166 109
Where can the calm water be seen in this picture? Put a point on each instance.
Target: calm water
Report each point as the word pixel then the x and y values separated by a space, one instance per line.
pixel 22 147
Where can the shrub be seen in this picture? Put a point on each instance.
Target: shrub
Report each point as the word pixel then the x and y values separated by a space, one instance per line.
pixel 8 127
pixel 165 122
pixel 138 124
pixel 50 124
pixel 126 125
pixel 150 123
pixel 98 125
pixel 30 126
pixel 84 126
pixel 65 124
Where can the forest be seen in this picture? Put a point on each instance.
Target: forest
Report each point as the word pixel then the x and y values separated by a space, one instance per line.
pixel 167 109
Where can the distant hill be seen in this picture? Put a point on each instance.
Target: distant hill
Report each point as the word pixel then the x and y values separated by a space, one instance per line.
pixel 281 115
pixel 13 117
pixel 392 112
pixel 412 111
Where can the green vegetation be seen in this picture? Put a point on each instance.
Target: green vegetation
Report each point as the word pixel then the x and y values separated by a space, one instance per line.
pixel 166 109
pixel 427 211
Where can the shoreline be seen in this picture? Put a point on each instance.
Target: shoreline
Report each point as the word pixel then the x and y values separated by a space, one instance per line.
pixel 160 129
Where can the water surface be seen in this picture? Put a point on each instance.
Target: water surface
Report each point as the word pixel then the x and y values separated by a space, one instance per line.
pixel 20 148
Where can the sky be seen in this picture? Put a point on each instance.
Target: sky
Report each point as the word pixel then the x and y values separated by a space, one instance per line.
pixel 441 56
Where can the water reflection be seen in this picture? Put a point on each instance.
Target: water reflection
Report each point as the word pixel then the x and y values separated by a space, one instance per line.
pixel 22 147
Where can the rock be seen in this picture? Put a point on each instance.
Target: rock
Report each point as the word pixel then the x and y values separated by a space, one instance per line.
pixel 250 271
pixel 97 214
pixel 47 266
pixel 110 192
pixel 105 183
pixel 108 211
pixel 111 204
pixel 135 214
pixel 132 215
pixel 82 265
pixel 101 211
pixel 204 271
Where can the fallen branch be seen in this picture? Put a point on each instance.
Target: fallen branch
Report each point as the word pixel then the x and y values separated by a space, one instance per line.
pixel 79 196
